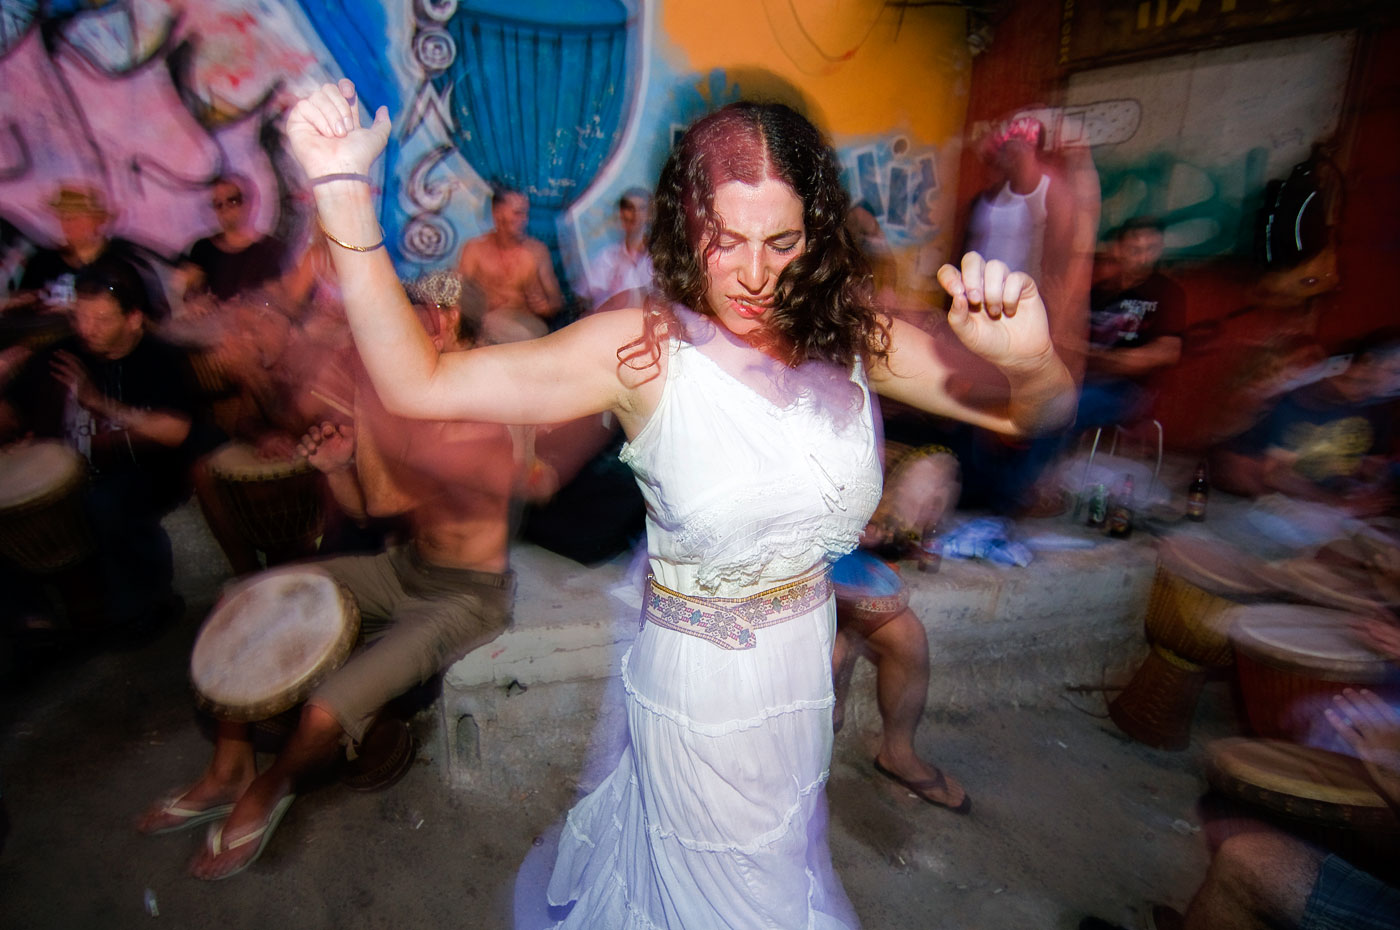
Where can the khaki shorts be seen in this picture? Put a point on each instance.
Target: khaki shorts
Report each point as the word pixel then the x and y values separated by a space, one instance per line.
pixel 415 620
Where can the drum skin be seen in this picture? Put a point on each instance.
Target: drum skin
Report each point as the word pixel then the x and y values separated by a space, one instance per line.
pixel 1312 784
pixel 1292 660
pixel 42 524
pixel 1323 797
pixel 270 641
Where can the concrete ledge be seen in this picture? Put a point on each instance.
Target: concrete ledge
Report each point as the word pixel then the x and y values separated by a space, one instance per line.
pixel 547 691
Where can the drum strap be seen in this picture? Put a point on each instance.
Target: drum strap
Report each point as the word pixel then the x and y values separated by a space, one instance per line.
pixel 730 623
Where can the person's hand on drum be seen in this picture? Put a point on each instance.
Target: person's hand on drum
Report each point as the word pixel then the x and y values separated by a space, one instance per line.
pixel 1382 633
pixel 325 135
pixel 998 314
pixel 328 447
pixel 1371 727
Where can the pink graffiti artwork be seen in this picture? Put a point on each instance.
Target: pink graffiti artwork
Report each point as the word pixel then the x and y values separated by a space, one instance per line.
pixel 126 133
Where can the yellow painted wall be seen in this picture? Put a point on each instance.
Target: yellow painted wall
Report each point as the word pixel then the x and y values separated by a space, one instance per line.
pixel 865 67
pixel 863 70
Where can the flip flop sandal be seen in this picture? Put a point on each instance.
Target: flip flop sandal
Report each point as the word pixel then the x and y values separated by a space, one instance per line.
pixel 262 835
pixel 390 768
pixel 188 817
pixel 933 784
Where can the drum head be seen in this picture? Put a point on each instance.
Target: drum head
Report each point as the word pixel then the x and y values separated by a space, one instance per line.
pixel 238 461
pixel 1330 586
pixel 269 642
pixel 30 471
pixel 1214 566
pixel 1290 771
pixel 1318 642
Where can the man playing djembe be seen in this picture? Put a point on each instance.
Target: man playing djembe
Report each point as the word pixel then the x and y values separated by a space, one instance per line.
pixel 435 598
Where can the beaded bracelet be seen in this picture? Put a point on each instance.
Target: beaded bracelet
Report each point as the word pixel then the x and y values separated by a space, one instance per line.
pixel 346 245
pixel 328 178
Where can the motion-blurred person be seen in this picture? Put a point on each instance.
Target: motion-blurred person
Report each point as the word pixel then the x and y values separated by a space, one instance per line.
pixel 1038 217
pixel 1027 217
pixel 623 272
pixel 1265 879
pixel 920 492
pixel 1330 441
pixel 284 382
pixel 423 604
pixel 1136 319
pixel 123 399
pixel 514 270
pixel 237 258
pixel 84 223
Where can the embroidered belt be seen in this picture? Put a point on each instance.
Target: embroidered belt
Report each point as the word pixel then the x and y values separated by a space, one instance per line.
pixel 731 622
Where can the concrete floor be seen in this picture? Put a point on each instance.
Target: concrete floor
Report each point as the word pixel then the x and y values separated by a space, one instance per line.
pixel 1069 817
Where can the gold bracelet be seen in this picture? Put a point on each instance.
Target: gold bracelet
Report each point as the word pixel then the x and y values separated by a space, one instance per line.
pixel 346 245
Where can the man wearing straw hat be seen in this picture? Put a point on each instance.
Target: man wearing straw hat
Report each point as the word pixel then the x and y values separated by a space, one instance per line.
pixel 84 222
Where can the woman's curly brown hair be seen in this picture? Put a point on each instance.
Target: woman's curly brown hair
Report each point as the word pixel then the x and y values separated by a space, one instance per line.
pixel 824 308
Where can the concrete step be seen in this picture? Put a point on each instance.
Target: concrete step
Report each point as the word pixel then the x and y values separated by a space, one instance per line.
pixel 547 691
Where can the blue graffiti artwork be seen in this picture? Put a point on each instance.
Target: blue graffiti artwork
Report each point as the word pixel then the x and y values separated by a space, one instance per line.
pixel 898 185
pixel 1206 209
pixel 537 89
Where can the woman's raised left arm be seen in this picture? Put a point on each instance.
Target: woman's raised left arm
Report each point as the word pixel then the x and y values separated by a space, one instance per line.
pixel 1000 317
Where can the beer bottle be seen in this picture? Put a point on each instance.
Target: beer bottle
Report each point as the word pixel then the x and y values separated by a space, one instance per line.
pixel 1120 510
pixel 1098 507
pixel 1196 495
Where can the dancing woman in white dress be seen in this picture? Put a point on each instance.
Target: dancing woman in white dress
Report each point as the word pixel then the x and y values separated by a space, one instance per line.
pixel 743 392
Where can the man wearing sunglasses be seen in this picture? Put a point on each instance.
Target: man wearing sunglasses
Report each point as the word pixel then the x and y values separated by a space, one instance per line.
pixel 237 258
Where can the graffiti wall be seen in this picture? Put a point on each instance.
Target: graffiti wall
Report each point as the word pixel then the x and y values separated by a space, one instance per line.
pixel 1210 130
pixel 572 101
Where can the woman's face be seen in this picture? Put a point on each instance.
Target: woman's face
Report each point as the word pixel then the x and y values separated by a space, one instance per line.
pixel 761 231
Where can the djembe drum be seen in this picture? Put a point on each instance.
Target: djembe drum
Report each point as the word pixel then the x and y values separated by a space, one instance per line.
pixel 1324 797
pixel 1198 583
pixel 42 525
pixel 276 505
pixel 270 641
pixel 1292 659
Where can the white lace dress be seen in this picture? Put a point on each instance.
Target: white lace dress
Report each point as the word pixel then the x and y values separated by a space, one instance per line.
pixel 714 816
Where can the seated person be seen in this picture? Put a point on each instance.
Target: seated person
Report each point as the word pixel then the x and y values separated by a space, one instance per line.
pixel 123 399
pixel 84 223
pixel 623 273
pixel 282 383
pixel 1270 880
pixel 1328 441
pixel 237 258
pixel 1136 318
pixel 514 269
pixel 424 604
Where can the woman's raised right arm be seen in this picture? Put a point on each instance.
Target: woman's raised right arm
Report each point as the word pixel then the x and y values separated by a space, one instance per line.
pixel 562 376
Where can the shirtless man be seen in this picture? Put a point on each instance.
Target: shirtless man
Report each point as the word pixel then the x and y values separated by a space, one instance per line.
pixel 515 270
pixel 423 606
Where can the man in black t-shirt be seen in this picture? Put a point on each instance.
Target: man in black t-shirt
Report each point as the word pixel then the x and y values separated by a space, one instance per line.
pixel 123 399
pixel 236 258
pixel 1136 318
pixel 84 221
